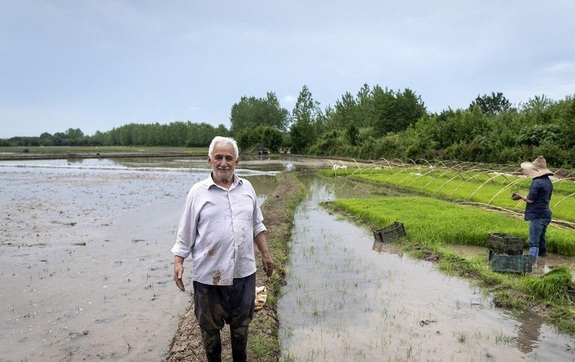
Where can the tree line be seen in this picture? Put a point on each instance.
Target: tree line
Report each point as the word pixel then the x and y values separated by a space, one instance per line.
pixel 374 123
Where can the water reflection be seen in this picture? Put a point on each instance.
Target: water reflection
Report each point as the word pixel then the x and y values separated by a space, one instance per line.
pixel 528 331
pixel 150 165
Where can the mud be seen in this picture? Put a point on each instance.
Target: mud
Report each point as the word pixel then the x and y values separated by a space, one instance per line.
pixel 85 259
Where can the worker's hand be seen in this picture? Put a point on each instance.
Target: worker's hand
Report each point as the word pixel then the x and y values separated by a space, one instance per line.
pixel 178 275
pixel 268 265
pixel 516 196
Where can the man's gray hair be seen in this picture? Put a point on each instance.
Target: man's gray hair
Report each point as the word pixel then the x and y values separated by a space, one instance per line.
pixel 224 141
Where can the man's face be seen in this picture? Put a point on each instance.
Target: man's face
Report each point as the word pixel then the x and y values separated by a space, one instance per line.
pixel 223 163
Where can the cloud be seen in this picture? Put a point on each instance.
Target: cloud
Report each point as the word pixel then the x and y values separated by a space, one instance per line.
pixel 289 100
pixel 103 64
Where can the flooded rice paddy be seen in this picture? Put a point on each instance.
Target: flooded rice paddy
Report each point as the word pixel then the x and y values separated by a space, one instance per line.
pixel 85 259
pixel 86 275
pixel 349 298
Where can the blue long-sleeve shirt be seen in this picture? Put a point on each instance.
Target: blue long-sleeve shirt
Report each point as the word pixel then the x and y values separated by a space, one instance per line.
pixel 540 193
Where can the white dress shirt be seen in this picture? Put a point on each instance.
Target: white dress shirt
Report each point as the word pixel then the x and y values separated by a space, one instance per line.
pixel 217 228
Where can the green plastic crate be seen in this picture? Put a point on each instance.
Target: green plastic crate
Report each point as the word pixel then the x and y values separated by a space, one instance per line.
pixel 502 243
pixel 511 263
pixel 389 233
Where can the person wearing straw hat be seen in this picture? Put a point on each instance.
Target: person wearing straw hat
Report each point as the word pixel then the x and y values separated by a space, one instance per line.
pixel 537 210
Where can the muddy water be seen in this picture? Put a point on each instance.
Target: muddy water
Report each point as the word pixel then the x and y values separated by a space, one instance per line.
pixel 350 299
pixel 85 262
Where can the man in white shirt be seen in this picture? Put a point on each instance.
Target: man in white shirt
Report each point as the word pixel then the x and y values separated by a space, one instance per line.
pixel 220 222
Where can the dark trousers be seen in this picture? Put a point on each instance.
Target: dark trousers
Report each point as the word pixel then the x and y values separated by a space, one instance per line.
pixel 216 305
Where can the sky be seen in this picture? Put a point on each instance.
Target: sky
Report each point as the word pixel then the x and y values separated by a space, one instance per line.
pixel 100 64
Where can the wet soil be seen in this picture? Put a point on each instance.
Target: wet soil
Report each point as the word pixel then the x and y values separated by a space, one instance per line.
pixel 86 270
pixel 85 259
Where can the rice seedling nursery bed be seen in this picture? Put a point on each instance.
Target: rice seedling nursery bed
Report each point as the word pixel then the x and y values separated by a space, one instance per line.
pixel 489 187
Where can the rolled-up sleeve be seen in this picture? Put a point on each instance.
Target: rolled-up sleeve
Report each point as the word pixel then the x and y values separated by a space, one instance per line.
pixel 259 226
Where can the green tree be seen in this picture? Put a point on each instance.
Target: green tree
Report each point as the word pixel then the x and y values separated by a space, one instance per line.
pixel 491 105
pixel 308 119
pixel 352 133
pixel 365 110
pixel 251 112
pixel 537 110
pixel 248 138
pixel 267 137
pixel 344 112
pixel 272 139
pixel 301 135
pixel 565 121
pixel 46 139
pixel 395 111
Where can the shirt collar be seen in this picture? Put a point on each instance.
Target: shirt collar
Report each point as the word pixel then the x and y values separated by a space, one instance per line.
pixel 237 181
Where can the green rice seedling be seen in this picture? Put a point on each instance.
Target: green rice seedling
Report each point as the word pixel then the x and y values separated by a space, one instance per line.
pixel 461 336
pixel 478 335
pixel 553 285
pixel 289 357
pixel 501 338
pixel 431 221
pixel 475 185
pixel 409 352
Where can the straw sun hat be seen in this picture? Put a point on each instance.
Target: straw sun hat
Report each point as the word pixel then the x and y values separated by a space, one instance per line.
pixel 536 168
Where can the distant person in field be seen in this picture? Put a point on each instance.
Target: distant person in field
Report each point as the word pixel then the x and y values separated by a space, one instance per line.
pixel 537 210
pixel 219 226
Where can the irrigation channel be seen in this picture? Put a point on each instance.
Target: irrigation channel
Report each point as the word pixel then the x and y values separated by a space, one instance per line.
pixel 86 275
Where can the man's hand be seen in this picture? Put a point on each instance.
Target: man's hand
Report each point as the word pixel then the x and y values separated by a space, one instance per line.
pixel 516 196
pixel 179 272
pixel 262 245
pixel 268 265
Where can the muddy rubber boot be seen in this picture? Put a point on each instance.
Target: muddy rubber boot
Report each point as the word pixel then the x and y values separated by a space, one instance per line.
pixel 212 345
pixel 239 343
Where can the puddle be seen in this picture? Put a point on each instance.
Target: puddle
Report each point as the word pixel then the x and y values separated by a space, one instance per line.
pixel 85 260
pixel 349 299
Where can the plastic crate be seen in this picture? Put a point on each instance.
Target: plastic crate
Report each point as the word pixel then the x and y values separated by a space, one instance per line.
pixel 389 233
pixel 511 263
pixel 505 244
